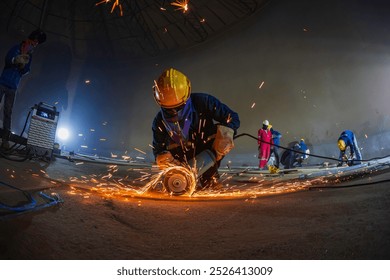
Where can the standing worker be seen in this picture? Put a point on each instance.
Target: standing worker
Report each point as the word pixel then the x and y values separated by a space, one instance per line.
pixel 17 63
pixel 264 141
pixel 347 139
pixel 276 135
pixel 189 123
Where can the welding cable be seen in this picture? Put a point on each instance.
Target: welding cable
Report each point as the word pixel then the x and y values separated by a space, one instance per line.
pixel 31 205
pixel 303 153
pixel 31 201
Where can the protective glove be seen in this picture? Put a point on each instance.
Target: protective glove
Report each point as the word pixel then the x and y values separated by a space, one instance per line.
pixel 21 60
pixel 165 160
pixel 223 142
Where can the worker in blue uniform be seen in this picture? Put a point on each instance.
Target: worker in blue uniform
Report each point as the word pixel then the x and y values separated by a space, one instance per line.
pixel 189 123
pixel 276 135
pixel 299 154
pixel 17 64
pixel 346 140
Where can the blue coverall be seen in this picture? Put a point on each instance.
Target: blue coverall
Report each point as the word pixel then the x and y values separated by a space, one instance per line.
pixel 206 111
pixel 276 135
pixel 9 82
pixel 350 141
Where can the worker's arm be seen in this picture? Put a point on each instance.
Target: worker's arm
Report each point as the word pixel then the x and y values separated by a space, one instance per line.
pixel 228 121
pixel 222 113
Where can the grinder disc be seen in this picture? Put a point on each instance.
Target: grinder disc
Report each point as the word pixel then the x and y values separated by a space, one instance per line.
pixel 175 181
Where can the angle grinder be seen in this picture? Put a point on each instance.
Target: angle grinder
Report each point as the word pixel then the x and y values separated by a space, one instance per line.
pixel 179 180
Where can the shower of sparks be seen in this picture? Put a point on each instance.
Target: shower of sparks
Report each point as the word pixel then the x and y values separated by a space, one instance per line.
pixel 181 4
pixel 116 4
pixel 150 185
pixel 134 182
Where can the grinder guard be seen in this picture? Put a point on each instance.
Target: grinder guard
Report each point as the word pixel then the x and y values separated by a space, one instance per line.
pixel 178 180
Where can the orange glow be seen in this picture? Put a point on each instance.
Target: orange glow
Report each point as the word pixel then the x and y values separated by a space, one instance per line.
pixel 181 4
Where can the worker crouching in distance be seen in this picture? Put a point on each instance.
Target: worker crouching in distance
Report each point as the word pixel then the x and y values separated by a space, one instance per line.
pixel 189 123
pixel 346 140
pixel 296 155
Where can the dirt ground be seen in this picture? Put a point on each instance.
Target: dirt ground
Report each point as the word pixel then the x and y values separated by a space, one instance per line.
pixel 321 223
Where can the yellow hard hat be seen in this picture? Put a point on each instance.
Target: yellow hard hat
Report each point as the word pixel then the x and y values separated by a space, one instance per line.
pixel 341 144
pixel 172 89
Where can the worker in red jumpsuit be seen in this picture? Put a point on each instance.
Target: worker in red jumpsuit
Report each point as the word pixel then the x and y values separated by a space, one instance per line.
pixel 264 141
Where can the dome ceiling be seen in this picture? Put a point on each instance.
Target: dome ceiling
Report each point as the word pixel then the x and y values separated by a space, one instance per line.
pixel 130 28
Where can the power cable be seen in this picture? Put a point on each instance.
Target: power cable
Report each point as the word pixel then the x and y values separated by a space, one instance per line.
pixel 30 205
pixel 303 153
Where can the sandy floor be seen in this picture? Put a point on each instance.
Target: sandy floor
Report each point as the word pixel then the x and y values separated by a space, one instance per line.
pixel 321 223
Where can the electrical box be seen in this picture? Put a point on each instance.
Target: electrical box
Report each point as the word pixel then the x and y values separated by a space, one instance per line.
pixel 42 130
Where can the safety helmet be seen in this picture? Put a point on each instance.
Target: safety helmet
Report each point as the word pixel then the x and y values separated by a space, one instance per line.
pixel 266 122
pixel 38 35
pixel 341 144
pixel 172 89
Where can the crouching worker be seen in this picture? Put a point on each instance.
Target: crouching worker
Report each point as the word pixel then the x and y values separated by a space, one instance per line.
pixel 298 153
pixel 346 140
pixel 189 123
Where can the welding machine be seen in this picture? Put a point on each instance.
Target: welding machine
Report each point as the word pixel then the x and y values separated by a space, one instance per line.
pixel 42 130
